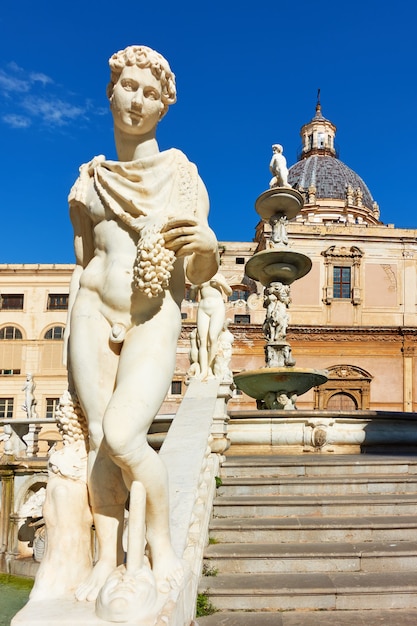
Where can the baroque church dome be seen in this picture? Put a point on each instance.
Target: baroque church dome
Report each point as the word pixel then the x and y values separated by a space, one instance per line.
pixel 333 192
pixel 330 176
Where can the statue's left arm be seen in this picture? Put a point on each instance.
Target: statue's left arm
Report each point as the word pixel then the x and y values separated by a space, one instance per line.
pixel 194 239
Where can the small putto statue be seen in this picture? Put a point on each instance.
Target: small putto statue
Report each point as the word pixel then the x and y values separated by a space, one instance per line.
pixel 278 167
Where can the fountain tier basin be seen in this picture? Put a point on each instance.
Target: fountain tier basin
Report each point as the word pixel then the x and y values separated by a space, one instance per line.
pixel 279 201
pixel 289 380
pixel 282 266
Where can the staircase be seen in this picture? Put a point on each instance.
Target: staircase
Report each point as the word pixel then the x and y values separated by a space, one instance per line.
pixel 313 540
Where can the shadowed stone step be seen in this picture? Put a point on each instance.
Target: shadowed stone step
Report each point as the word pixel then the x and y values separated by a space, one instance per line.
pixel 312 618
pixel 358 504
pixel 318 465
pixel 333 591
pixel 319 557
pixel 331 485
pixel 314 529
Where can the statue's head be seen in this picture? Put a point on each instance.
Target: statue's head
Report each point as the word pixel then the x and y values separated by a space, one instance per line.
pixel 144 57
pixel 277 148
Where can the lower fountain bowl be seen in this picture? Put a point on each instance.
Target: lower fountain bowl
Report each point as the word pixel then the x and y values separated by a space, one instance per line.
pixel 289 380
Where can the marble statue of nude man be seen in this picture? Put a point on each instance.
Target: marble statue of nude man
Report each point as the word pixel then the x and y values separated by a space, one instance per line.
pixel 140 224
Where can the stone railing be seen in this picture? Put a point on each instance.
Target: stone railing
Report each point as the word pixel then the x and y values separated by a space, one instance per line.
pixel 20 438
pixel 192 453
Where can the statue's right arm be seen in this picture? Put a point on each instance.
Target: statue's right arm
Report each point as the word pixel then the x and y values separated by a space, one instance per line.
pixel 83 249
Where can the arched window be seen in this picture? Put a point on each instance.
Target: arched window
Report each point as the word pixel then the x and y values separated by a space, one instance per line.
pixel 10 332
pixel 348 388
pixel 57 332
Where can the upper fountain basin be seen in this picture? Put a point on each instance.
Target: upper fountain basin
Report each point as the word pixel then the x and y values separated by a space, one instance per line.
pixel 279 201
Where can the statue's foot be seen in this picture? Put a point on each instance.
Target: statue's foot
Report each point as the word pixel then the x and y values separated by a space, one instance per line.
pixel 168 571
pixel 90 588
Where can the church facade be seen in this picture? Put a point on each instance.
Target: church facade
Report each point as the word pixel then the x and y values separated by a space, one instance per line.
pixel 354 314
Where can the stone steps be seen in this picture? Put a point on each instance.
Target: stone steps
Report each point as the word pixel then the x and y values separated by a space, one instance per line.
pixel 315 529
pixel 331 485
pixel 312 618
pixel 313 592
pixel 288 506
pixel 318 465
pixel 296 537
pixel 246 558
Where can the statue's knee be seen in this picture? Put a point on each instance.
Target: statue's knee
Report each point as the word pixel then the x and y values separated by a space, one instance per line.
pixel 122 444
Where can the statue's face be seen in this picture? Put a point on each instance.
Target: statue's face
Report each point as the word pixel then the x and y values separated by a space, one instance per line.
pixel 136 102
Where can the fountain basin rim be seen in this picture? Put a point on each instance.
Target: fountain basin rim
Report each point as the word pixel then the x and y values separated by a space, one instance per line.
pixel 257 383
pixel 279 200
pixel 264 266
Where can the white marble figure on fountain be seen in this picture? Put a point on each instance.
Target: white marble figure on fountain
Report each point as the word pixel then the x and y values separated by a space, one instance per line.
pixel 280 400
pixel 278 167
pixel 30 401
pixel 279 356
pixel 32 507
pixel 221 367
pixel 194 369
pixel 136 222
pixel 211 314
pixel 276 301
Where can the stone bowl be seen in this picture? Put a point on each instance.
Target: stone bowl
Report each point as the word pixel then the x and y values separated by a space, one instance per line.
pixel 279 201
pixel 288 380
pixel 282 266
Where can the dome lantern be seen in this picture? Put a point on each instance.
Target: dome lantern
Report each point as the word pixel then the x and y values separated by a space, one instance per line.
pixel 318 135
pixel 333 192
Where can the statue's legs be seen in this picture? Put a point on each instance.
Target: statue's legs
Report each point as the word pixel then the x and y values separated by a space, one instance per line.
pixel 215 328
pixel 146 367
pixel 203 323
pixel 93 369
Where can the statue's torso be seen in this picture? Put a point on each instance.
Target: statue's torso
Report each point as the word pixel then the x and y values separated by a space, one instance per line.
pixel 107 278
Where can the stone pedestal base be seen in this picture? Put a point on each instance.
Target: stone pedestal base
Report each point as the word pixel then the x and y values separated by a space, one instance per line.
pixel 65 612
pixel 341 432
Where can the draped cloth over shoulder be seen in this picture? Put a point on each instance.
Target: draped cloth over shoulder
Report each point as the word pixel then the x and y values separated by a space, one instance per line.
pixel 143 194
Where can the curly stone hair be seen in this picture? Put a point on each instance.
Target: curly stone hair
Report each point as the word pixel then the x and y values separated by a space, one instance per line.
pixel 142 56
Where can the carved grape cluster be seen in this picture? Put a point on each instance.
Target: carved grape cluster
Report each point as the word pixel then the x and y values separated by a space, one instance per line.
pixel 154 264
pixel 71 422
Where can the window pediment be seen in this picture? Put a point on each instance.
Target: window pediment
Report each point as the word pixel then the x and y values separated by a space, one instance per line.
pixel 342 252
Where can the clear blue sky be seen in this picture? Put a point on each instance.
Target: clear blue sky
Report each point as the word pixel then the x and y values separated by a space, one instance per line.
pixel 247 77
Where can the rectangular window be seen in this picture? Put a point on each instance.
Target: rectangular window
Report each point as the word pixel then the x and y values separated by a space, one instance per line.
pixel 12 302
pixel 240 260
pixel 176 387
pixel 51 407
pixel 242 319
pixel 239 294
pixel 4 372
pixel 341 282
pixel 57 302
pixel 6 408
